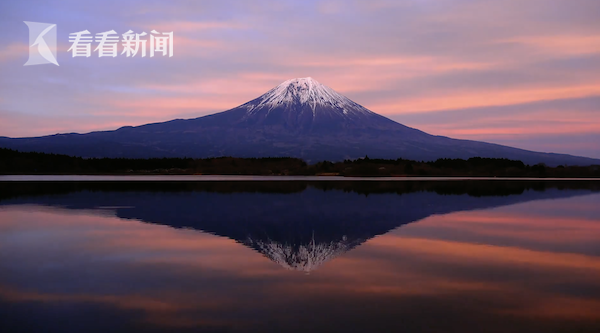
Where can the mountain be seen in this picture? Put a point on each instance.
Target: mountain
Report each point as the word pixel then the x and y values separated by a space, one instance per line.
pixel 299 118
pixel 298 225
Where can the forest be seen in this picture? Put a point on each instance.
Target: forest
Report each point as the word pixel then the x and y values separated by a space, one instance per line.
pixel 19 163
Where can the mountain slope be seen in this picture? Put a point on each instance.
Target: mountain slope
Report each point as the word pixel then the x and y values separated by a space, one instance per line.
pixel 299 118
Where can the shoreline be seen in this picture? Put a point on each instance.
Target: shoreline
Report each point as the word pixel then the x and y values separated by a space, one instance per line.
pixel 200 178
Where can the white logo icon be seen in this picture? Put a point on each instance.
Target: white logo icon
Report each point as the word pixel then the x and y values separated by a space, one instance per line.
pixel 42 43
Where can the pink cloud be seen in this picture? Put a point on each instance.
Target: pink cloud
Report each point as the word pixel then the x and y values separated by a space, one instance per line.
pixel 14 50
pixel 452 100
pixel 559 45
pixel 193 26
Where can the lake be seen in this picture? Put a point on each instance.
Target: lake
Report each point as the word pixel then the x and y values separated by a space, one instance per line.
pixel 240 254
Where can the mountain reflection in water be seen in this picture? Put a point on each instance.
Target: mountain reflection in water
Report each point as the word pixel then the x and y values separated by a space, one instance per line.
pixel 469 256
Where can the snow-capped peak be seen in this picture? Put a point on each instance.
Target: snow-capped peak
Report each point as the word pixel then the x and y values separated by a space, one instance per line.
pixel 305 92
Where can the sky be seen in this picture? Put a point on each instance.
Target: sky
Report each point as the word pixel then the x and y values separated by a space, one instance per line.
pixel 524 73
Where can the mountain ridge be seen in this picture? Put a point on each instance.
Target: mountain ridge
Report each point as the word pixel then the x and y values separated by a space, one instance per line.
pixel 298 118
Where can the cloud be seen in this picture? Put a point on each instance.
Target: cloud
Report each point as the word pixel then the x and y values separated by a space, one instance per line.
pixel 14 50
pixel 559 45
pixel 187 27
pixel 562 126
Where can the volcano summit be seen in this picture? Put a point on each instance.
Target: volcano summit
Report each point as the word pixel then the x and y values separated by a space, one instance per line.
pixel 298 118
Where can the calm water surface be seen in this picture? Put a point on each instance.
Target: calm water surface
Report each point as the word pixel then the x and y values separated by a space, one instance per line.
pixel 302 256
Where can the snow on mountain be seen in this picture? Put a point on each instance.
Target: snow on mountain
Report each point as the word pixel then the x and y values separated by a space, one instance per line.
pixel 300 93
pixel 303 257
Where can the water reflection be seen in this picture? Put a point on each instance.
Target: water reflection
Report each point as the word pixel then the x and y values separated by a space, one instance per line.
pixel 150 257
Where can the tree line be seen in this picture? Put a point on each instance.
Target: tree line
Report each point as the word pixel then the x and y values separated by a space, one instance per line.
pixel 15 162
